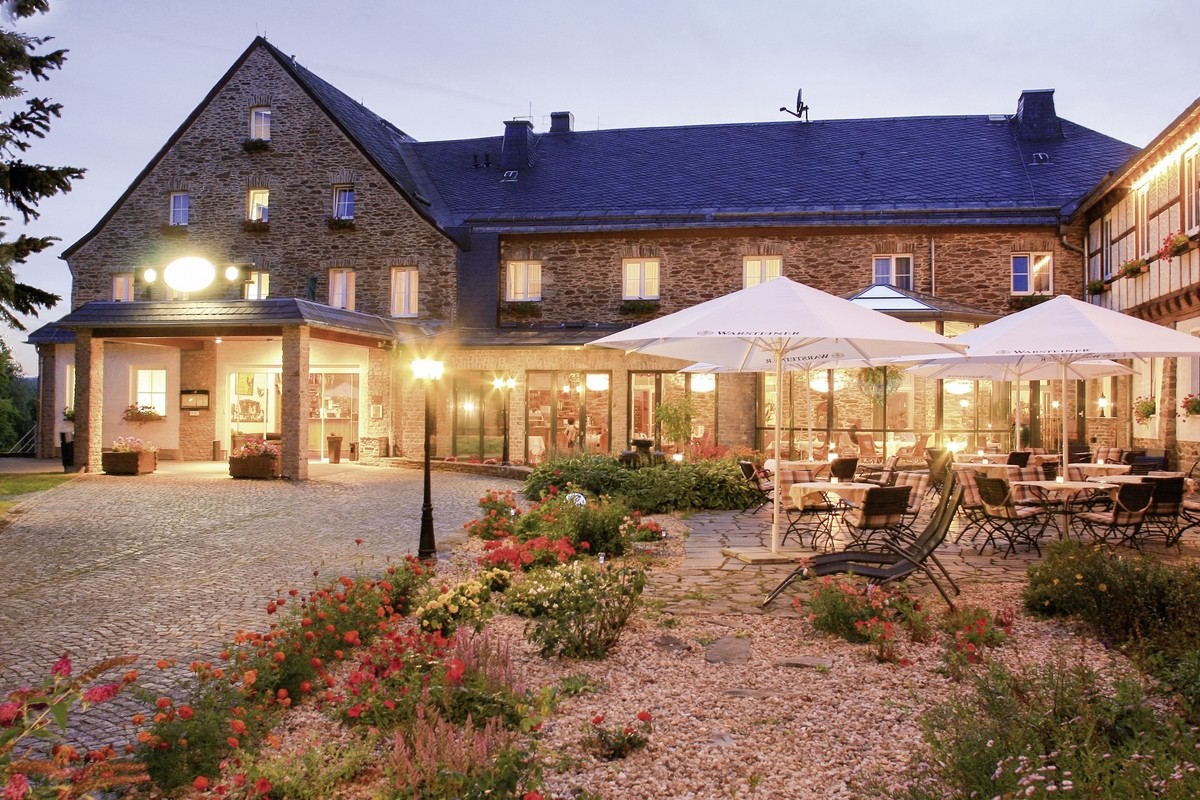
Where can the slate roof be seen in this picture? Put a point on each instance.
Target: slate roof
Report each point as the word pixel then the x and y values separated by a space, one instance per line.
pixel 961 169
pixel 215 315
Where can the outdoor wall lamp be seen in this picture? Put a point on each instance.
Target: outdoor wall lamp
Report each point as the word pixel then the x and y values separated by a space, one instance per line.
pixel 1103 403
pixel 427 370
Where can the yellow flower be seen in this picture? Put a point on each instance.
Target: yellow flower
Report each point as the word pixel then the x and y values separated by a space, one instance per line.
pixel 1103 587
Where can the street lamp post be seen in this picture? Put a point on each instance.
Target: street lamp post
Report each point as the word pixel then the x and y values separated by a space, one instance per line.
pixel 427 370
pixel 505 385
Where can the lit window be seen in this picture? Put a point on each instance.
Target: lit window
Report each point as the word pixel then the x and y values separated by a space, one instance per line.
pixel 122 285
pixel 757 269
pixel 404 291
pixel 894 270
pixel 343 202
pixel 258 287
pixel 150 389
pixel 179 208
pixel 258 205
pixel 1031 273
pixel 641 279
pixel 260 123
pixel 1191 192
pixel 524 281
pixel 341 288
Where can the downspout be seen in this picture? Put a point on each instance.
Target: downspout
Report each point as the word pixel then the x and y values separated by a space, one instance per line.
pixel 1081 428
pixel 1062 239
pixel 932 268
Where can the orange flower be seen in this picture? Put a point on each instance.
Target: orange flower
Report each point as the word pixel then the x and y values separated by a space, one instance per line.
pixel 249 677
pixel 262 786
pixel 200 784
pixel 185 713
pixel 138 719
pixel 163 702
pixel 238 727
pixel 162 663
pixel 231 741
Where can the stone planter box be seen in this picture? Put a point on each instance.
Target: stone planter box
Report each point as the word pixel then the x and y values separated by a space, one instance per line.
pixel 129 463
pixel 254 467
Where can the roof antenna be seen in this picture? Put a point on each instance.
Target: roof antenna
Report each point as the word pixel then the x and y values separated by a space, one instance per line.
pixel 801 111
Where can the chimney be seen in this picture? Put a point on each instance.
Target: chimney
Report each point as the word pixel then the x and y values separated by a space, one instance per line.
pixel 517 150
pixel 1036 119
pixel 562 122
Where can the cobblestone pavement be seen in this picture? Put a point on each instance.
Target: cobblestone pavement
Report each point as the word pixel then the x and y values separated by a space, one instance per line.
pixel 169 565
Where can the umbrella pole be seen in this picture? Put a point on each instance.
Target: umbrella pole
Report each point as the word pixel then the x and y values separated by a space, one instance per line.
pixel 808 408
pixel 778 414
pixel 1017 432
pixel 1063 365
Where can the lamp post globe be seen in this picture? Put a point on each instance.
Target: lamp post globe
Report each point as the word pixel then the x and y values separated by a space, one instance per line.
pixel 427 370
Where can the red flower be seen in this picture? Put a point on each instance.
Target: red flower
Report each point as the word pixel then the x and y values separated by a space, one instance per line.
pixel 201 783
pixel 644 716
pixel 358 541
pixel 98 694
pixel 532 796
pixel 163 702
pixel 62 666
pixel 262 786
pixel 354 711
pixel 185 713
pixel 17 787
pixel 9 712
pixel 455 671
pixel 237 726
pixel 599 718
pixel 162 663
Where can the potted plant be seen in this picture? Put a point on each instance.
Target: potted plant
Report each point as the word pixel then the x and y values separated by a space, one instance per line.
pixel 130 456
pixel 639 308
pixel 256 226
pixel 675 420
pixel 69 414
pixel 173 231
pixel 340 224
pixel 1144 408
pixel 524 308
pixel 1097 287
pixel 139 414
pixel 1133 267
pixel 1190 405
pixel 254 459
pixel 256 145
pixel 1174 244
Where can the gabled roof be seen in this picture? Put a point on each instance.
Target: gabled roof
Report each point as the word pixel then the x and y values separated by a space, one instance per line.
pixel 960 169
pixel 379 141
pixel 215 315
pixel 916 306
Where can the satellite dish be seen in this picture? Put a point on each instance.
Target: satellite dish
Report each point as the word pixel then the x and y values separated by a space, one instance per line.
pixel 801 111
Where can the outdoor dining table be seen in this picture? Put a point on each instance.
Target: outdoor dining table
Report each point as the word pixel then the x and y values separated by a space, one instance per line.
pixel 1058 492
pixel 1117 479
pixel 1100 470
pixel 816 467
pixel 1004 471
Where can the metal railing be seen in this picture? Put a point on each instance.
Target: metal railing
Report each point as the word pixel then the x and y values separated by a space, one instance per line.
pixel 25 445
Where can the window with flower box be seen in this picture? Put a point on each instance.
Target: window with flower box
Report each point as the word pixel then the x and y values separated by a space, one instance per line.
pixel 1032 273
pixel 343 202
pixel 150 389
pixel 260 123
pixel 524 281
pixel 258 202
pixel 641 279
pixel 756 269
pixel 1191 193
pixel 894 270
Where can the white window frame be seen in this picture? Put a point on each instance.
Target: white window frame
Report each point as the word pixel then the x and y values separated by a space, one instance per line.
pixel 892 262
pixel 343 202
pixel 260 123
pixel 122 286
pixel 640 278
pixel 1191 192
pixel 759 269
pixel 149 385
pixel 341 288
pixel 1142 223
pixel 406 282
pixel 257 285
pixel 258 205
pixel 523 281
pixel 179 209
pixel 1031 269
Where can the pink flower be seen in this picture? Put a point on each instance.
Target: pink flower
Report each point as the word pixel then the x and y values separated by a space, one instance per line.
pixel 9 712
pixel 99 694
pixel 62 666
pixel 17 787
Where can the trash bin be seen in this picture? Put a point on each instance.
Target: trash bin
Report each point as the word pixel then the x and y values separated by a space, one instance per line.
pixel 335 449
pixel 67 447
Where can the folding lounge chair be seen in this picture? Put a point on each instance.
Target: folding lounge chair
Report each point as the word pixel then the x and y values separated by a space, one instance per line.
pixel 897 561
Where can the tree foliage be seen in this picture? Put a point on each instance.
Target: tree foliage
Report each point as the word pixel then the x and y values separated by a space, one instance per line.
pixel 18 399
pixel 23 185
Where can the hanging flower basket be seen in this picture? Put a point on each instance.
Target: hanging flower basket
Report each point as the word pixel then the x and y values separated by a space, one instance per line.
pixel 1189 405
pixel 1133 267
pixel 1143 409
pixel 1173 245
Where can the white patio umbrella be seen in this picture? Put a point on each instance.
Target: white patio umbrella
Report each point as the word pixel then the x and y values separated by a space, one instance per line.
pixel 1066 331
pixel 780 319
pixel 983 369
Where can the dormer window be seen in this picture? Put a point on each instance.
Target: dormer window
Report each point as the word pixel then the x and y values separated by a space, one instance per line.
pixel 260 123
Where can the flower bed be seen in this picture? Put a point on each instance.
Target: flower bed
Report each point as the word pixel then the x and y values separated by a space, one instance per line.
pixel 255 458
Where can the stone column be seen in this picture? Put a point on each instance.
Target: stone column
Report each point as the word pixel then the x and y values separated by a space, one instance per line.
pixel 294 436
pixel 89 400
pixel 48 411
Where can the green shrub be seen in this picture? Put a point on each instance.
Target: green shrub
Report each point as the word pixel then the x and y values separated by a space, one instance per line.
pixel 670 487
pixel 1053 729
pixel 840 607
pixel 318 771
pixel 598 525
pixel 577 610
pixel 595 474
pixel 1124 599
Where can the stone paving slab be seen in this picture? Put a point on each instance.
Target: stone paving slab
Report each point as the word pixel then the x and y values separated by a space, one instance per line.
pixel 169 565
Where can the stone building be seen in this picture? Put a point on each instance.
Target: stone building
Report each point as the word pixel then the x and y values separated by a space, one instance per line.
pixel 287 254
